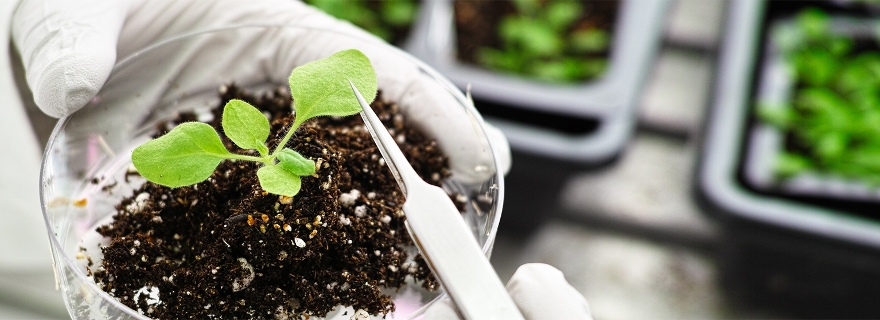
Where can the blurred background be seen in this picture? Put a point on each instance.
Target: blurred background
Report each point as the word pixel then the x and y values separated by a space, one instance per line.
pixel 617 199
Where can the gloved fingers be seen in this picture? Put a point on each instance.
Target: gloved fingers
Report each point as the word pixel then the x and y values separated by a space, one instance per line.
pixel 68 48
pixel 541 292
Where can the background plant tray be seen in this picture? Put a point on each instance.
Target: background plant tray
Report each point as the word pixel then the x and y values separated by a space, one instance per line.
pixel 586 123
pixel 766 143
pixel 726 184
pixel 809 255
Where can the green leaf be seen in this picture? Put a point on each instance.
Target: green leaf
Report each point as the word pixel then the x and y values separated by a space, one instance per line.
pixel 831 146
pixel 590 40
pixel 526 7
pixel 277 180
pixel 816 67
pixel 561 14
pixel 500 60
pixel 780 116
pixel 788 164
pixel 321 87
pixel 295 162
pixel 245 125
pixel 186 155
pixel 814 23
pixel 594 67
pixel 534 37
pixel 549 70
pixel 398 12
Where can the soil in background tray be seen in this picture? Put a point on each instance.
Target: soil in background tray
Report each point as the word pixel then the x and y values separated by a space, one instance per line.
pixel 224 248
pixel 477 26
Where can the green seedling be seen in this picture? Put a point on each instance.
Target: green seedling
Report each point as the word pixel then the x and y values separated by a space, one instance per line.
pixel 541 41
pixel 833 119
pixel 190 152
pixel 380 20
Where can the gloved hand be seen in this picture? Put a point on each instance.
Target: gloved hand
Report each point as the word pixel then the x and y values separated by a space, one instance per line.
pixel 69 48
pixel 539 290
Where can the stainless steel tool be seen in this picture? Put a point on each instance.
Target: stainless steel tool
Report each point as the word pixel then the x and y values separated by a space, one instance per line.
pixel 442 236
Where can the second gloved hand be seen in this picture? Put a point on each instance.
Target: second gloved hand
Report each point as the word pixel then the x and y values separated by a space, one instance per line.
pixel 539 290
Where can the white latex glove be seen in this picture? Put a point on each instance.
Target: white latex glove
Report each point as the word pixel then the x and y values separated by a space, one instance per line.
pixel 539 290
pixel 69 47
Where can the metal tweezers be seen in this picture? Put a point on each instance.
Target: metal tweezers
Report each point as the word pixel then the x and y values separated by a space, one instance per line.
pixel 443 238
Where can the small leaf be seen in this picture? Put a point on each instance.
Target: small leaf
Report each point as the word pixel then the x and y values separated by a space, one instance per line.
pixel 186 155
pixel 245 125
pixel 535 37
pixel 561 14
pixel 398 12
pixel 594 67
pixel 814 23
pixel 590 40
pixel 816 67
pixel 831 146
pixel 550 70
pixel 780 116
pixel 788 164
pixel 277 180
pixel 526 7
pixel 500 60
pixel 295 163
pixel 321 87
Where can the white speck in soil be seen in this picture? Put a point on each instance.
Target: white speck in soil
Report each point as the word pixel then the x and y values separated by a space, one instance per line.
pixel 299 242
pixel 360 315
pixel 360 211
pixel 348 199
pixel 152 294
pixel 248 275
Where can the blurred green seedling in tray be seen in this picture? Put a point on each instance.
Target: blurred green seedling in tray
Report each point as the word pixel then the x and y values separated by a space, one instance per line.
pixel 542 41
pixel 387 19
pixel 832 121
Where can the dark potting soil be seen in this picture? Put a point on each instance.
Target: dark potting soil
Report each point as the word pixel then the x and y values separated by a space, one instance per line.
pixel 477 22
pixel 224 248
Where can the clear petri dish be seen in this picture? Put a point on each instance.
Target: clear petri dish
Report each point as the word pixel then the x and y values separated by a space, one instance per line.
pixel 89 151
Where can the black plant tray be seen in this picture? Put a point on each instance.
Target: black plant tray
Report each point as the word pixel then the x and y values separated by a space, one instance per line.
pixel 584 124
pixel 809 254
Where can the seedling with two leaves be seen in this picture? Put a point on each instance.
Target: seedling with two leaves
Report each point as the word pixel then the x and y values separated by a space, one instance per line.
pixel 190 152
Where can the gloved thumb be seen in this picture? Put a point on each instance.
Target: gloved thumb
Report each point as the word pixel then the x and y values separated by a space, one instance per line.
pixel 68 48
pixel 541 292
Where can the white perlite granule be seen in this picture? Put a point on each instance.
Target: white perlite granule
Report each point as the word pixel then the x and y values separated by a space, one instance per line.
pixel 240 283
pixel 152 294
pixel 348 199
